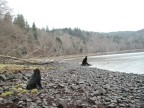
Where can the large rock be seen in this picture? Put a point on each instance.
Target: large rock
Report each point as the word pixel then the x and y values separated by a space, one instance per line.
pixel 2 78
pixel 9 76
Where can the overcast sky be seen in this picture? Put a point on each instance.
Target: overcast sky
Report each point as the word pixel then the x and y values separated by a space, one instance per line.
pixel 90 15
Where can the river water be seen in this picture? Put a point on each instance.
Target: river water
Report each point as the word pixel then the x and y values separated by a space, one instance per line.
pixel 127 62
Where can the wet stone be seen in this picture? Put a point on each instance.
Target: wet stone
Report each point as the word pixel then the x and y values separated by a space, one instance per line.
pixel 62 85
pixel 1 90
pixel 20 102
pixel 107 99
pixel 33 105
pixel 112 105
pixel 1 100
pixel 2 78
pixel 29 100
pixel 38 101
pixel 24 98
pixel 81 82
pixel 58 96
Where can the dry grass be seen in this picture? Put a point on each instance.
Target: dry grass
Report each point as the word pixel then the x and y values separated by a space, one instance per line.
pixel 16 67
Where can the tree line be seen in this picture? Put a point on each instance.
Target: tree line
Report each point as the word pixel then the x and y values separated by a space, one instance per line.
pixel 19 39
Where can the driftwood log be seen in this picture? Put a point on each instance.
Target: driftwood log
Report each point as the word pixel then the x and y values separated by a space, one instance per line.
pixel 15 60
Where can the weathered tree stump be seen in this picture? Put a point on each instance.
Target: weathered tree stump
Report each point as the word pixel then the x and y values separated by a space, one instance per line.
pixel 85 63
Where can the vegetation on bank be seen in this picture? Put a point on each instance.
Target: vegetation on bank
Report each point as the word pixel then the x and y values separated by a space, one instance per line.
pixel 15 68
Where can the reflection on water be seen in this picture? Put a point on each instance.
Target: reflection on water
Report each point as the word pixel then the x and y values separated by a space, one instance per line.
pixel 128 62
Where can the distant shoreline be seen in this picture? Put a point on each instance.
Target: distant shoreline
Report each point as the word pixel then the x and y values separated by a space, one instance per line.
pixel 76 56
pixel 70 57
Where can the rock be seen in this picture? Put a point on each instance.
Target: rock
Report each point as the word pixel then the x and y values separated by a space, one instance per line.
pixel 2 78
pixel 122 105
pixel 74 87
pixel 32 105
pixel 62 85
pixel 44 103
pixel 1 100
pixel 93 98
pixel 20 102
pixel 29 100
pixel 24 78
pixel 38 101
pixel 15 99
pixel 107 99
pixel 94 106
pixel 23 86
pixel 103 91
pixel 9 76
pixel 6 88
pixel 42 95
pixel 137 97
pixel 52 97
pixel 107 86
pixel 54 105
pixel 112 105
pixel 114 101
pixel 67 90
pixel 60 106
pixel 91 101
pixel 79 102
pixel 97 92
pixel 24 98
pixel 84 105
pixel 69 98
pixel 81 82
pixel 142 105
pixel 57 96
pixel 28 75
pixel 1 90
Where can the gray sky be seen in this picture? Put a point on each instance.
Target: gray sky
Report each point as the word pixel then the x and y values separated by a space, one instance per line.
pixel 90 15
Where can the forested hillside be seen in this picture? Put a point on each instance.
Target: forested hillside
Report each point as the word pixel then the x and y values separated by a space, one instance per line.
pixel 19 39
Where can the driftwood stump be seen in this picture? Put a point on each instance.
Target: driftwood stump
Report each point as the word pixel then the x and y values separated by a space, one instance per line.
pixel 84 62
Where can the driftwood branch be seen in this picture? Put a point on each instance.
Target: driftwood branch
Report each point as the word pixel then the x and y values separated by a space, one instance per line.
pixel 13 58
pixel 32 52
pixel 21 60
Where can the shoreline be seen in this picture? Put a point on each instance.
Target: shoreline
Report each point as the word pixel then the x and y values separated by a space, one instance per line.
pixel 76 56
pixel 75 86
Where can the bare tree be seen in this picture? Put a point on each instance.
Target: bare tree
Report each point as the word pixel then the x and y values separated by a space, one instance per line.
pixel 3 8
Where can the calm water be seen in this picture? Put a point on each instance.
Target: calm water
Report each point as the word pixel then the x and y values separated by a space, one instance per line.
pixel 128 62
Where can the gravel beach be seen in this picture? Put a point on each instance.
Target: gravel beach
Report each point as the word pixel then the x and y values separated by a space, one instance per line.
pixel 69 85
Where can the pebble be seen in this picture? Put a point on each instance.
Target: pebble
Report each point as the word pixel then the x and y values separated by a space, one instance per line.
pixel 20 102
pixel 2 78
pixel 29 100
pixel 1 100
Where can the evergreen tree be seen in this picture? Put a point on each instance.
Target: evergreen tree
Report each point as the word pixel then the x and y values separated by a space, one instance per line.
pixel 34 30
pixel 27 27
pixel 33 26
pixel 47 29
pixel 20 21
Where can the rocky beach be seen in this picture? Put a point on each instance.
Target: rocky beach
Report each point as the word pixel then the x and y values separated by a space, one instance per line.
pixel 70 85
